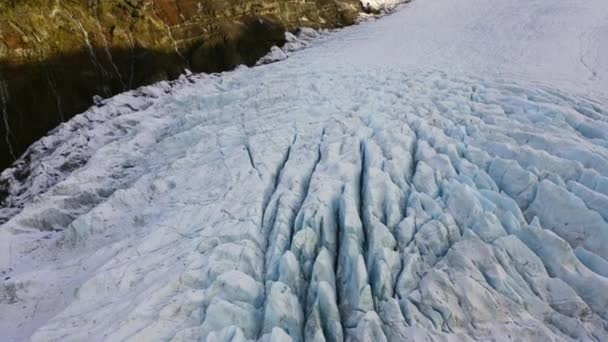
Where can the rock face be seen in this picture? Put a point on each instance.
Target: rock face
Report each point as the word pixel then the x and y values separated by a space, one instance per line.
pixel 56 55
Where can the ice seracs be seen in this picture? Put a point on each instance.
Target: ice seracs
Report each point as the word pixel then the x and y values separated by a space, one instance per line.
pixel 332 219
pixel 315 201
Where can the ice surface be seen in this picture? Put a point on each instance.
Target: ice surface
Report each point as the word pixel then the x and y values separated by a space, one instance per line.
pixel 339 194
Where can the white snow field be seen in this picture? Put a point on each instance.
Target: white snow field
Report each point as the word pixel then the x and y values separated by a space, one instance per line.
pixel 439 174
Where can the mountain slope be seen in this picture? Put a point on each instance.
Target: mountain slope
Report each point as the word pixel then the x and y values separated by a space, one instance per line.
pixel 63 53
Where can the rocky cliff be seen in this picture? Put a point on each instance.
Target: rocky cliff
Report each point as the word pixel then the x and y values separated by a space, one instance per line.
pixel 56 55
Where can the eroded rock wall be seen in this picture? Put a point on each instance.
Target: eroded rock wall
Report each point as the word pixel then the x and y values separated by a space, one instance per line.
pixel 56 55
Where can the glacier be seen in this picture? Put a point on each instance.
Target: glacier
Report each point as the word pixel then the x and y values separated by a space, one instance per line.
pixel 438 174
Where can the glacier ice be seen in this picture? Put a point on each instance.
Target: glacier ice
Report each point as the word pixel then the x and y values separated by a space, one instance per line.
pixel 374 225
pixel 313 200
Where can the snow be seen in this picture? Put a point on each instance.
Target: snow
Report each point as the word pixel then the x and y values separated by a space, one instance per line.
pixel 424 176
pixel 380 5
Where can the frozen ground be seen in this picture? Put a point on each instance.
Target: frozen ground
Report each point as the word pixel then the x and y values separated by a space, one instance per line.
pixel 441 173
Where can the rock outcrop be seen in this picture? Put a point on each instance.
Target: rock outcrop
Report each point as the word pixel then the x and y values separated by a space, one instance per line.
pixel 55 56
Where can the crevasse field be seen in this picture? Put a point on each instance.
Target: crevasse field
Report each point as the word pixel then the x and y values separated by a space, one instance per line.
pixel 438 174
